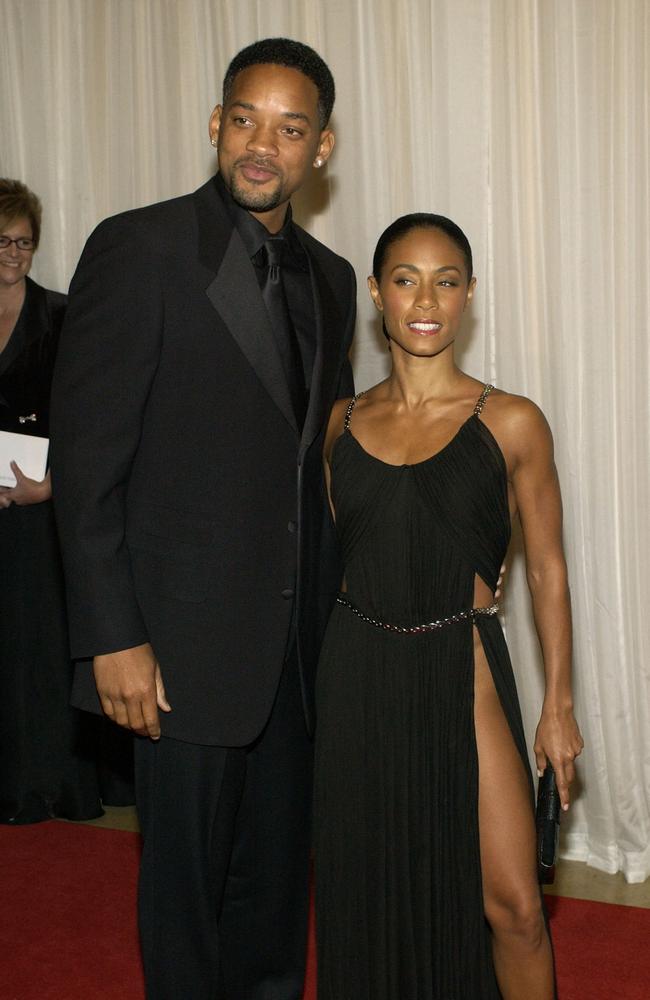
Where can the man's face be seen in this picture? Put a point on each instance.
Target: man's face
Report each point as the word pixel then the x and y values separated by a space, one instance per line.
pixel 269 138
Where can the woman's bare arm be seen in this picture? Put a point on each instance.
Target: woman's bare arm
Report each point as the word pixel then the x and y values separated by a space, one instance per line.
pixel 529 453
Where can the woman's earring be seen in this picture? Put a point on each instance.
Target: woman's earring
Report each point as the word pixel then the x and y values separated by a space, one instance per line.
pixel 318 162
pixel 213 142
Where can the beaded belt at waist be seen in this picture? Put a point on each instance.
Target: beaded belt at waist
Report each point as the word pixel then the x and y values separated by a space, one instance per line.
pixel 460 616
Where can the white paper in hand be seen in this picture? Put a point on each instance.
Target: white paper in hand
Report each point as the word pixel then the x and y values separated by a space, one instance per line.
pixel 29 452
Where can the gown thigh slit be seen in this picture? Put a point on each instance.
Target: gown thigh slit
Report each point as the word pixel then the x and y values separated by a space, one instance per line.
pixel 506 819
pixel 399 893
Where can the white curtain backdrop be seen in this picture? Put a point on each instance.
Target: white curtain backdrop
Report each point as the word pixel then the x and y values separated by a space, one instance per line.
pixel 527 121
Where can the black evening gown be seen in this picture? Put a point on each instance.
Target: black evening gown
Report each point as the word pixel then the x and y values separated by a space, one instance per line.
pixel 47 765
pixel 399 906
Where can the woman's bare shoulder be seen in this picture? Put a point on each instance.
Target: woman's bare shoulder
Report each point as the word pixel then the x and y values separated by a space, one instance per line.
pixel 514 409
pixel 516 421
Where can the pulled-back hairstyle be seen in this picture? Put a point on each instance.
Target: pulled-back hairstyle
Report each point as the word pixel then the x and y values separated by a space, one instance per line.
pixel 421 220
pixel 294 55
pixel 18 202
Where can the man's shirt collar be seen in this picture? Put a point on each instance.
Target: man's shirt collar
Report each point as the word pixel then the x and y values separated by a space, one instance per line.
pixel 254 234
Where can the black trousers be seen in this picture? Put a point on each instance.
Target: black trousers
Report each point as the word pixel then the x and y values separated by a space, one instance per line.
pixel 223 893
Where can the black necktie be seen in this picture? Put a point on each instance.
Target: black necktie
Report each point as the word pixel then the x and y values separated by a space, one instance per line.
pixel 276 303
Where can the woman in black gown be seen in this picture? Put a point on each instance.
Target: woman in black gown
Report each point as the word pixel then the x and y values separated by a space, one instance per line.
pixel 42 771
pixel 426 882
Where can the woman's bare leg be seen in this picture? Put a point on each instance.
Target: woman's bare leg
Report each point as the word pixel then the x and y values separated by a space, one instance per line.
pixel 522 950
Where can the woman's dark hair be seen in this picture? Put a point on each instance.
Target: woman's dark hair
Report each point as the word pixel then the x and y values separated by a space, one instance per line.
pixel 421 220
pixel 294 55
pixel 18 202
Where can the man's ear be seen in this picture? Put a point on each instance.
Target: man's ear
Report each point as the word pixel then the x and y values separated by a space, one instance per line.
pixel 215 124
pixel 325 147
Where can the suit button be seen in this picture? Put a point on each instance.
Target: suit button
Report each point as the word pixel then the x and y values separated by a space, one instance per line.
pixel 291 526
pixel 287 594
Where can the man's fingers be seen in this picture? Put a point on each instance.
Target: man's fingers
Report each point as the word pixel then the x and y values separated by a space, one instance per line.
pixel 129 686
pixel 120 714
pixel 143 718
pixel 161 697
pixel 107 706
pixel 151 721
pixel 130 715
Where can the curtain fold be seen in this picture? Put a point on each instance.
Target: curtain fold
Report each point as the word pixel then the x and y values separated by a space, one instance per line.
pixel 527 121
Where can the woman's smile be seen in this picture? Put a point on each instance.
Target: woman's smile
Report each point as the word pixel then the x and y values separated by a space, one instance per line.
pixel 425 328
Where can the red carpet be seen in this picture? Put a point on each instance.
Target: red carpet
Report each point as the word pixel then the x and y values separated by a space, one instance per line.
pixel 68 924
pixel 67 913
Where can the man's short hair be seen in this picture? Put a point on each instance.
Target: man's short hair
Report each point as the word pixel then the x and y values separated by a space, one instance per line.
pixel 294 55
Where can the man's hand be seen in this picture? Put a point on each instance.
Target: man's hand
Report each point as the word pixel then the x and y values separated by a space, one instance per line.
pixel 131 690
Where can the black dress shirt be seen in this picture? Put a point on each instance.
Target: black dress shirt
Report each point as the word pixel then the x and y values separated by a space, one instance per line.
pixel 295 271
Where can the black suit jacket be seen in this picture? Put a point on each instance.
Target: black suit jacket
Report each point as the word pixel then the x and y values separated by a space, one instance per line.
pixel 190 509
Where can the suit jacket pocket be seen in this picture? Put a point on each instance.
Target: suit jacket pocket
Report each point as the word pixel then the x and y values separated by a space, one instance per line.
pixel 173 523
pixel 171 553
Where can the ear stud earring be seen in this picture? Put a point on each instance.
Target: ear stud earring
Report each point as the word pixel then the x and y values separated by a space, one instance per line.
pixel 213 142
pixel 318 162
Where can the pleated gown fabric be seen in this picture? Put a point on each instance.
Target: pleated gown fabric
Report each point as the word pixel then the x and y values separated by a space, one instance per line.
pixel 399 906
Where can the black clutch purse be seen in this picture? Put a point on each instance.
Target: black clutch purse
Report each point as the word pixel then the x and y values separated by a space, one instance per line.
pixel 548 825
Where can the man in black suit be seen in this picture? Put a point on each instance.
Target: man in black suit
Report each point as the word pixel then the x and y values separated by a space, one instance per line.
pixel 198 365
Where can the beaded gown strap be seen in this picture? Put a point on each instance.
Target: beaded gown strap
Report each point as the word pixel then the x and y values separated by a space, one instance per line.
pixel 480 403
pixel 348 412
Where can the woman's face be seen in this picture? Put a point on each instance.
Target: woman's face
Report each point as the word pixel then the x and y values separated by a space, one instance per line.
pixel 15 263
pixel 423 291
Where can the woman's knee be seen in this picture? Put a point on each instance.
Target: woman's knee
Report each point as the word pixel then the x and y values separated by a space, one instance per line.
pixel 517 919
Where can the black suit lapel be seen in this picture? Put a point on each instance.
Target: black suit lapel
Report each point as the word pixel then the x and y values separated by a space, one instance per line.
pixel 235 294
